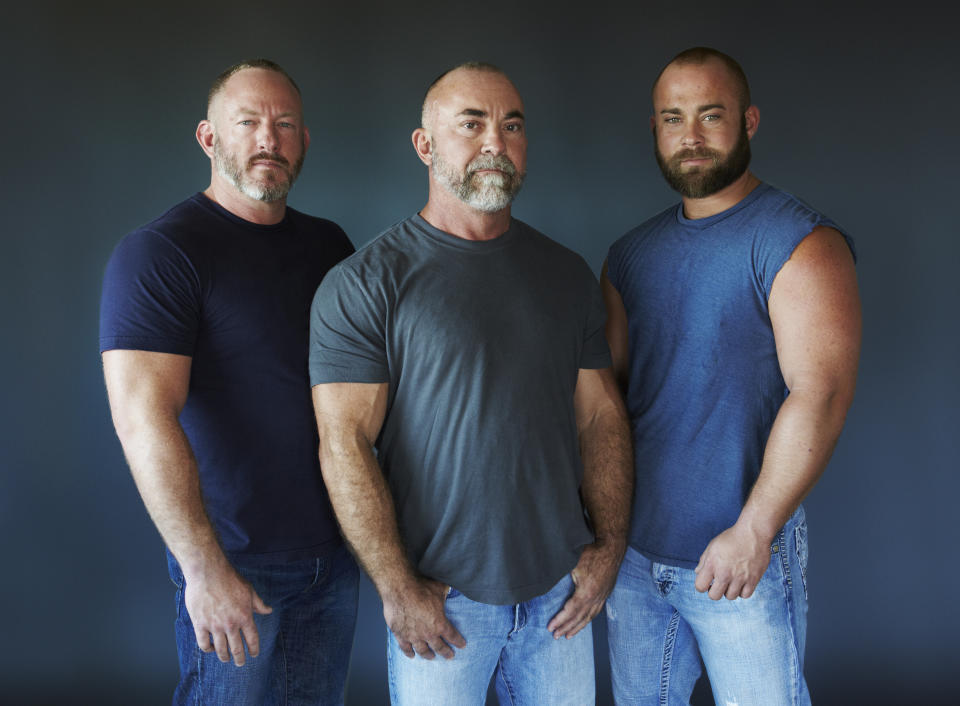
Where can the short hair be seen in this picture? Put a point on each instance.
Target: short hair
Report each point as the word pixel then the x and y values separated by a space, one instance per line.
pixel 701 55
pixel 468 65
pixel 259 63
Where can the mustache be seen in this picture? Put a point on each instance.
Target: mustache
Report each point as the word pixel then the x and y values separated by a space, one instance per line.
pixel 272 156
pixel 501 162
pixel 695 153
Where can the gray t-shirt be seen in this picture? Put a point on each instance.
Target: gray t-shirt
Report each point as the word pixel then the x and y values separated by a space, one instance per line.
pixel 481 343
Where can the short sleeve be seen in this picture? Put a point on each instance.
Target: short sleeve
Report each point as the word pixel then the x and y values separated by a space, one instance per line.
pixel 596 352
pixel 151 297
pixel 347 325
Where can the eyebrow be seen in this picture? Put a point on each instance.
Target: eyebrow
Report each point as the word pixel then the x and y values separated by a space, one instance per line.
pixel 701 109
pixel 477 113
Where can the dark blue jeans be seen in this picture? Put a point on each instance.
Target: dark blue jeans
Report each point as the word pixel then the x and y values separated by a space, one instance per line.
pixel 305 642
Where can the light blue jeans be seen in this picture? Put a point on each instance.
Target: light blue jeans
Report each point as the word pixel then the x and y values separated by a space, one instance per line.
pixel 304 643
pixel 752 647
pixel 513 641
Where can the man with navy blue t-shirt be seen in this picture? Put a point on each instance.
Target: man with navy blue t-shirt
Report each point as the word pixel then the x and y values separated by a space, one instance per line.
pixel 734 325
pixel 204 336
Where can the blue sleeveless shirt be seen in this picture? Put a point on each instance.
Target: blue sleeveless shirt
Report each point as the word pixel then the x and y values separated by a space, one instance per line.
pixel 704 379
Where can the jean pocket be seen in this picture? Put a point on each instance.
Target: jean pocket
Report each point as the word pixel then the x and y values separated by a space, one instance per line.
pixel 800 537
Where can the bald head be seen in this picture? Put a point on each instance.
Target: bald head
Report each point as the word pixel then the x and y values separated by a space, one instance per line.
pixel 441 85
pixel 216 88
pixel 699 56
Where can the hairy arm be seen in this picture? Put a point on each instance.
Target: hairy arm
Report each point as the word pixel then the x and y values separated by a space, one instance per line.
pixel 815 312
pixel 607 493
pixel 147 392
pixel 349 418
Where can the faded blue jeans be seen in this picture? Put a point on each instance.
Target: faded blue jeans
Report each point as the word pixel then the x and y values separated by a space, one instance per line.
pixel 305 642
pixel 513 641
pixel 752 647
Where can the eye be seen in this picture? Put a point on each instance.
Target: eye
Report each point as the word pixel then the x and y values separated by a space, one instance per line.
pixel 672 120
pixel 245 122
pixel 285 124
pixel 513 127
pixel 711 117
pixel 471 125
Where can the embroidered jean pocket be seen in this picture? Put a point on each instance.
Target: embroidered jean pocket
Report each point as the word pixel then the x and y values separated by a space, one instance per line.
pixel 800 536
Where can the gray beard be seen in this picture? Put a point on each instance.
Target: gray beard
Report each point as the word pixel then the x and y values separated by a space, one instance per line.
pixel 228 167
pixel 487 193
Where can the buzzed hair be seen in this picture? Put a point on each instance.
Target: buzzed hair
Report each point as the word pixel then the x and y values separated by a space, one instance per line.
pixel 468 65
pixel 701 55
pixel 220 80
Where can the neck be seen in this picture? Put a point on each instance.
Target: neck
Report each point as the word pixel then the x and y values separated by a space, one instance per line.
pixel 242 206
pixel 451 215
pixel 728 196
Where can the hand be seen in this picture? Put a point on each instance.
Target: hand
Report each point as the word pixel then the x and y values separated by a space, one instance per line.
pixel 732 564
pixel 221 605
pixel 417 620
pixel 594 577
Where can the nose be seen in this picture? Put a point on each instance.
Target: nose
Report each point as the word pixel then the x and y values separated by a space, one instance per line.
pixel 493 141
pixel 268 137
pixel 691 134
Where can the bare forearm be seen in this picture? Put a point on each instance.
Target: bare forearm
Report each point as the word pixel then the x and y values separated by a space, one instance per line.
pixel 607 454
pixel 364 508
pixel 165 471
pixel 800 444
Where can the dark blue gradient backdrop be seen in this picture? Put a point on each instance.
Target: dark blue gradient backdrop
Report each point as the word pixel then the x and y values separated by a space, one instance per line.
pixel 100 102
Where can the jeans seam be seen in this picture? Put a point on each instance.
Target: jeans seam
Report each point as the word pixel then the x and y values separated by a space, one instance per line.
pixel 795 673
pixel 668 644
pixel 508 687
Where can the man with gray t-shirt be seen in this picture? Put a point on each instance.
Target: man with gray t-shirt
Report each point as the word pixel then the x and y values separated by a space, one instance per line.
pixel 470 350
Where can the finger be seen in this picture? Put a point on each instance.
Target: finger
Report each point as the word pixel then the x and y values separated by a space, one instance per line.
pixel 441 648
pixel 405 647
pixel 235 641
pixel 221 646
pixel 252 638
pixel 748 589
pixel 718 588
pixel 203 640
pixel 423 649
pixel 733 590
pixel 575 611
pixel 704 579
pixel 453 636
pixel 259 606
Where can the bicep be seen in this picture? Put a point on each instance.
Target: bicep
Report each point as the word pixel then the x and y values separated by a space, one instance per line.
pixel 143 381
pixel 616 328
pixel 815 313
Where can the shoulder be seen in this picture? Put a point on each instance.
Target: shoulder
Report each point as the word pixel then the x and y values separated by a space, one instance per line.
pixel 317 226
pixel 793 218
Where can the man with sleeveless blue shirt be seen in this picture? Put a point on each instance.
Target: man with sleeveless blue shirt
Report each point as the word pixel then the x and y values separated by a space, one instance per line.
pixel 734 325
pixel 204 334
pixel 469 349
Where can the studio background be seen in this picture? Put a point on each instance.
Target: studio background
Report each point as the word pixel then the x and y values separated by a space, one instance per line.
pixel 858 107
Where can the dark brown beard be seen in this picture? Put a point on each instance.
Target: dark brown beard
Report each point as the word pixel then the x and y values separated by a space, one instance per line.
pixel 706 181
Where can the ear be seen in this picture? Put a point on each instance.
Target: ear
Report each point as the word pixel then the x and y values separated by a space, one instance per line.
pixel 306 139
pixel 752 118
pixel 421 143
pixel 205 137
pixel 653 124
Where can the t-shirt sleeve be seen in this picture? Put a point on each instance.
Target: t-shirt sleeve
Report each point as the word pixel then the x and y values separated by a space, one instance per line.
pixel 151 297
pixel 596 352
pixel 347 332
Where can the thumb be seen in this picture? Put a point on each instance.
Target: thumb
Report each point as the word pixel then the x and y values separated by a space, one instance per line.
pixel 259 606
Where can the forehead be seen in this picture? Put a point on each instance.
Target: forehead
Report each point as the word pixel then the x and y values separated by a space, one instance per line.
pixel 256 89
pixel 465 89
pixel 706 83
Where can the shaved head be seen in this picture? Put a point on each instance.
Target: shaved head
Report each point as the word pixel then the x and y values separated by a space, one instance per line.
pixel 439 83
pixel 702 55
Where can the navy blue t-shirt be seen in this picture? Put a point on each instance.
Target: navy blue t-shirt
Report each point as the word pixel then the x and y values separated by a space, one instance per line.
pixel 235 296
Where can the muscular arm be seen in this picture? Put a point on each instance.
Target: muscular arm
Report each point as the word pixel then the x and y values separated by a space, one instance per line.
pixel 349 417
pixel 815 312
pixel 607 493
pixel 147 392
pixel 616 329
